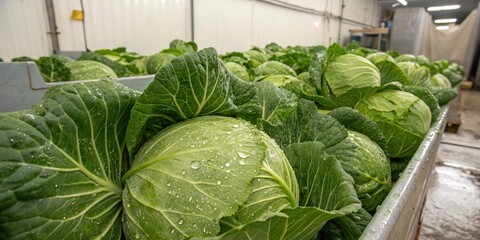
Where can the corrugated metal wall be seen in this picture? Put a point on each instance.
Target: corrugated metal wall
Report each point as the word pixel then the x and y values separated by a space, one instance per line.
pixel 146 26
pixel 23 29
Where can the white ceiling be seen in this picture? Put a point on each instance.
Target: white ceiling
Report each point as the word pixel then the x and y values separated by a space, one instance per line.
pixel 466 7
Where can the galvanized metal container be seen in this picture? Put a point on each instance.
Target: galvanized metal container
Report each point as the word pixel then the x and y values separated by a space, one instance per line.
pixel 399 215
pixel 397 218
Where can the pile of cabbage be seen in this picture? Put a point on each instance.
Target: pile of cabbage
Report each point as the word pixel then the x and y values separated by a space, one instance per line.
pixel 102 63
pixel 273 143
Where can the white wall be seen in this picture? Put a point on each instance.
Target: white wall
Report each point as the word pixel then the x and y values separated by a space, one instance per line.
pixel 146 26
pixel 23 29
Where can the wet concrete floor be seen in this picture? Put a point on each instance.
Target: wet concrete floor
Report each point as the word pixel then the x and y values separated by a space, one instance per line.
pixel 452 207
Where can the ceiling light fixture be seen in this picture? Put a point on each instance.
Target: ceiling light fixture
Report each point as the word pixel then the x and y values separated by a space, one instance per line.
pixel 442 8
pixel 403 2
pixel 444 27
pixel 446 20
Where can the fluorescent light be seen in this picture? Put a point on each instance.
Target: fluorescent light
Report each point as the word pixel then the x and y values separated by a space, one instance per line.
pixel 444 27
pixel 441 8
pixel 446 20
pixel 403 2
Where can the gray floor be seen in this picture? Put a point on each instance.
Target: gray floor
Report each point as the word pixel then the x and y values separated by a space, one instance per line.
pixel 452 208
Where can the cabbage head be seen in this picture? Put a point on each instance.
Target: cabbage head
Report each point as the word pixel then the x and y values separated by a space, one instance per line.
pixel 406 58
pixel 87 70
pixel 416 74
pixel 156 61
pixel 274 68
pixel 403 118
pixel 351 71
pixel 199 175
pixel 370 170
pixel 440 81
pixel 238 70
pixel 378 57
pixel 291 83
pixel 256 57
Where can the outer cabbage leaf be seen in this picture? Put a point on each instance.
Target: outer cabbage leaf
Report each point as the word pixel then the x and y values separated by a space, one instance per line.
pixel 351 97
pixel 444 95
pixel 191 85
pixel 355 121
pixel 62 161
pixel 53 69
pixel 318 66
pixel 349 227
pixel 391 72
pixel 267 102
pixel 303 123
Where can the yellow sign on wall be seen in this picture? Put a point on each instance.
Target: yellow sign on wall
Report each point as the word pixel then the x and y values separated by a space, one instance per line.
pixel 77 15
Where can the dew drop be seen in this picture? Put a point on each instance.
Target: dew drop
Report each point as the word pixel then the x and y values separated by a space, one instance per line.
pixel 242 155
pixel 184 171
pixel 178 196
pixel 192 146
pixel 195 165
pixel 194 225
pixel 235 126
pixel 242 162
pixel 128 205
pixel 56 185
pixel 219 182
pixel 228 171
pixel 227 164
pixel 180 221
pixel 169 184
pixel 190 199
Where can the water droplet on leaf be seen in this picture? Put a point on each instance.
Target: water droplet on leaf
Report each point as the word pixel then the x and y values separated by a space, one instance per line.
pixel 195 165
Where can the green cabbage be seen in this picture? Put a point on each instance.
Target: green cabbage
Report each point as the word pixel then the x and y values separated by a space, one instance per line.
pixel 238 70
pixel 350 71
pixel 370 170
pixel 87 70
pixel 156 61
pixel 417 75
pixel 274 68
pixel 379 56
pixel 403 118
pixel 440 81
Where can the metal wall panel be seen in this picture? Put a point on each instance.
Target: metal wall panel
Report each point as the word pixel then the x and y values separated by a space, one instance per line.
pixel 144 26
pixel 285 26
pixel 224 24
pixel 23 29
